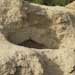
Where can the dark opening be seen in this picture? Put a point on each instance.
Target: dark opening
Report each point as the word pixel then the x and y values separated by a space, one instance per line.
pixel 32 44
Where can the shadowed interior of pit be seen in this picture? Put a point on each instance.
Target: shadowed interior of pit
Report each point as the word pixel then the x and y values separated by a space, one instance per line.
pixel 32 44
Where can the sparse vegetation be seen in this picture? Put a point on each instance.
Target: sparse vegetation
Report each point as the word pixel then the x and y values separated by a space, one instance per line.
pixel 52 2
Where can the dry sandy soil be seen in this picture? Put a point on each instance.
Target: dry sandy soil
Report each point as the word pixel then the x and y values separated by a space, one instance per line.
pixel 36 39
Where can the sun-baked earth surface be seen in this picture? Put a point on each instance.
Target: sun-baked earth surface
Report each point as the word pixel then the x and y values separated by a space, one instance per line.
pixel 36 39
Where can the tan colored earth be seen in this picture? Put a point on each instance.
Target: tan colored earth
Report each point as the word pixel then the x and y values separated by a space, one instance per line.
pixel 36 39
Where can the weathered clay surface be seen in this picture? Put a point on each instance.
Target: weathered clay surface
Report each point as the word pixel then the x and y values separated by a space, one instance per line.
pixel 52 27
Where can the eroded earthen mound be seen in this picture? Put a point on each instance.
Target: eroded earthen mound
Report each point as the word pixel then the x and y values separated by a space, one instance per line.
pixel 36 39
